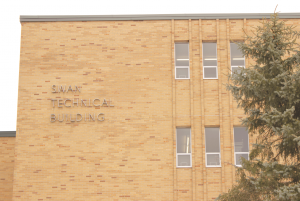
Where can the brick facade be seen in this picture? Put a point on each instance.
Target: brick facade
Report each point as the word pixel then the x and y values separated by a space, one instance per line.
pixel 131 155
pixel 7 146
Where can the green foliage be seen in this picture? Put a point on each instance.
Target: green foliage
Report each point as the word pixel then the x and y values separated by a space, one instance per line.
pixel 269 93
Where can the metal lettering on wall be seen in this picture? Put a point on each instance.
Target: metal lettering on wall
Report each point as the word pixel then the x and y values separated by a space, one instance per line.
pixel 75 103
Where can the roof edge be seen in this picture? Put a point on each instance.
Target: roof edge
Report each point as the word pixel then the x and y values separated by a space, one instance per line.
pixel 55 18
pixel 7 133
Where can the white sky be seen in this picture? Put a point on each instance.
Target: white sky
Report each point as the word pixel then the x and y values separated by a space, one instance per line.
pixel 10 29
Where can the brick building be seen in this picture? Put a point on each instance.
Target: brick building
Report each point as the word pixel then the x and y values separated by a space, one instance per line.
pixel 127 107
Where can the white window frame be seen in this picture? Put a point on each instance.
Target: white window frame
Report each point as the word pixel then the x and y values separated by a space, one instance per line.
pixel 184 154
pixel 210 67
pixel 210 153
pixel 235 153
pixel 236 66
pixel 188 67
pixel 184 67
pixel 217 76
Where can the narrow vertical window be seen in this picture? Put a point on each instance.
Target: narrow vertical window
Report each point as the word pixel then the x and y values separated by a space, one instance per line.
pixel 241 144
pixel 237 58
pixel 212 147
pixel 183 147
pixel 182 61
pixel 210 62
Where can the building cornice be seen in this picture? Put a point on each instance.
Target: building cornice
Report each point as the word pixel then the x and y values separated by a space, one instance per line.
pixel 55 18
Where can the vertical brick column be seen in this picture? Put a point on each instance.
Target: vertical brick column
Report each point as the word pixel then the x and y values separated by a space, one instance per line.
pixel 192 112
pixel 220 110
pixel 203 166
pixel 245 35
pixel 230 101
pixel 175 194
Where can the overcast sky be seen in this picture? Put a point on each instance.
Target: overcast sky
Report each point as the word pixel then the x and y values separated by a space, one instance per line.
pixel 10 33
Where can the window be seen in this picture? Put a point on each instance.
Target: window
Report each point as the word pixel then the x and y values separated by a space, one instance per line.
pixel 241 144
pixel 237 58
pixel 210 62
pixel 182 61
pixel 183 146
pixel 212 147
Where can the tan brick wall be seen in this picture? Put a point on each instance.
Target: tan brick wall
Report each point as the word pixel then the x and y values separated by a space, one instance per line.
pixel 7 150
pixel 130 155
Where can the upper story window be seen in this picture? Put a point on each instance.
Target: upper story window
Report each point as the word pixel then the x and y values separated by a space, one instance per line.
pixel 212 147
pixel 210 61
pixel 237 58
pixel 183 147
pixel 241 144
pixel 182 61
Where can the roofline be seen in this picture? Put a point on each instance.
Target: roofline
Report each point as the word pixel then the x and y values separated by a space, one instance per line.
pixel 7 133
pixel 55 18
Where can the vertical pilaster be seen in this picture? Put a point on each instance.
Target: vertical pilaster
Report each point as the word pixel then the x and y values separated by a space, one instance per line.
pixel 175 193
pixel 220 109
pixel 245 32
pixel 203 167
pixel 230 101
pixel 246 66
pixel 192 111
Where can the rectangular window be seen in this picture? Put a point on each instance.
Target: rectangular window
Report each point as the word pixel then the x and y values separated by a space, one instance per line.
pixel 182 61
pixel 237 58
pixel 183 147
pixel 241 144
pixel 212 147
pixel 210 61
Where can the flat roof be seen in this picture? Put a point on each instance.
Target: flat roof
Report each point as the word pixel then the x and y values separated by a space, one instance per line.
pixel 7 133
pixel 55 18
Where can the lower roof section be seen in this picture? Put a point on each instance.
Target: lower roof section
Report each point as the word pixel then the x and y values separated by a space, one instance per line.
pixel 54 18
pixel 7 133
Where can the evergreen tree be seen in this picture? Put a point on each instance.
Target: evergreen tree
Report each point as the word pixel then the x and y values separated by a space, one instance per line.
pixel 269 93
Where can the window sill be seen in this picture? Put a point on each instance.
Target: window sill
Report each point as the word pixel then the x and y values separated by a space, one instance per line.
pixel 210 78
pixel 184 167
